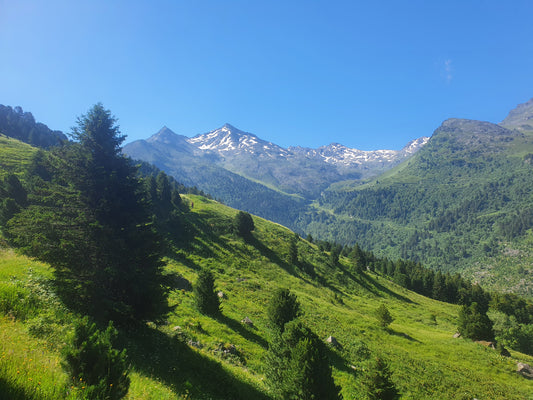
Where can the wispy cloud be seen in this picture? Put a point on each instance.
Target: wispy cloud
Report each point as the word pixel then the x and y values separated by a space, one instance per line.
pixel 448 71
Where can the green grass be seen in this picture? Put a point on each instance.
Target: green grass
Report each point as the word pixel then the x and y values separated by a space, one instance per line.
pixel 14 156
pixel 427 363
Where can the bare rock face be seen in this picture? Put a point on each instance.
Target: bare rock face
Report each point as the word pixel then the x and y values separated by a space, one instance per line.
pixel 521 117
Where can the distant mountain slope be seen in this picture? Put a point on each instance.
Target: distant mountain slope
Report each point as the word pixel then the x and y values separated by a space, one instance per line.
pixel 461 201
pixel 249 173
pixel 16 123
pixel 520 117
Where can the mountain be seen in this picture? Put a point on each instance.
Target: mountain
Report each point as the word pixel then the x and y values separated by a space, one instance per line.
pixel 16 123
pixel 230 141
pixel 198 356
pixel 463 203
pixel 520 118
pixel 249 173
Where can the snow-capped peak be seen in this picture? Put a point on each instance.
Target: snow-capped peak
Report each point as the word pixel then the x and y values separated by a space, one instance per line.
pixel 230 139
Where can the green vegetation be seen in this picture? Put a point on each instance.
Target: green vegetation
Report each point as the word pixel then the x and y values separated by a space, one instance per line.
pixel 298 365
pixel 461 204
pixel 205 296
pixel 283 308
pixel 97 369
pixel 383 315
pixel 334 291
pixel 244 223
pixel 378 382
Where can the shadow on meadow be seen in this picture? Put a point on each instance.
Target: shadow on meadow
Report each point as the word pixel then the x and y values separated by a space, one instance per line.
pixel 242 330
pixel 174 363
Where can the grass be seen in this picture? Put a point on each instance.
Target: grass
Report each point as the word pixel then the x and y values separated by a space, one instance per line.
pixel 14 156
pixel 184 357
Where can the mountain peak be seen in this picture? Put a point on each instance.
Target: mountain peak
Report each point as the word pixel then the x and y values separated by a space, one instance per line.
pixel 520 117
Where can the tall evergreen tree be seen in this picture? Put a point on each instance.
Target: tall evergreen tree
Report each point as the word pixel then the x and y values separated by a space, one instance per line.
pixel 93 226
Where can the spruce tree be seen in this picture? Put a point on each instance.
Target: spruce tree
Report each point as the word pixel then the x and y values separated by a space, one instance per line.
pixel 92 224
pixel 474 323
pixel 283 307
pixel 244 223
pixel 384 316
pixel 96 367
pixel 297 365
pixel 205 296
pixel 377 382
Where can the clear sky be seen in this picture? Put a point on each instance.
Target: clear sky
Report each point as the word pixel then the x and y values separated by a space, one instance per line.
pixel 367 74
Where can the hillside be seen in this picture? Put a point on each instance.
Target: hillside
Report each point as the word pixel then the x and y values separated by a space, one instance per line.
pixel 191 355
pixel 461 203
pixel 426 361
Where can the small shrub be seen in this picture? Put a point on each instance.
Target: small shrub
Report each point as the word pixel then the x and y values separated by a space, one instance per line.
pixel 384 316
pixel 94 364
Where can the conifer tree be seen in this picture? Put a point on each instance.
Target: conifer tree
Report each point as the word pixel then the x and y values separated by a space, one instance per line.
pixel 297 365
pixel 474 323
pixel 283 307
pixel 94 364
pixel 244 223
pixel 377 382
pixel 384 316
pixel 205 296
pixel 92 225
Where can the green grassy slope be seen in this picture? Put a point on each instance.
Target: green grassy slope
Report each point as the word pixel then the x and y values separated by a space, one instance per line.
pixel 14 155
pixel 427 362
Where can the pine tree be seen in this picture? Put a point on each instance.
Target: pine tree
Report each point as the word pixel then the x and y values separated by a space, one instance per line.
pixel 205 296
pixel 92 224
pixel 244 223
pixel 283 307
pixel 474 323
pixel 93 362
pixel 378 383
pixel 293 249
pixel 383 315
pixel 297 365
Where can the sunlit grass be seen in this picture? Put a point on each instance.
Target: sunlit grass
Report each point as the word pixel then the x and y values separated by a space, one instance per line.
pixel 427 362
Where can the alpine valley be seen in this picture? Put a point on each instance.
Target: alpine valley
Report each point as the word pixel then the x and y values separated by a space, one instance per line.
pixel 458 201
pixel 118 281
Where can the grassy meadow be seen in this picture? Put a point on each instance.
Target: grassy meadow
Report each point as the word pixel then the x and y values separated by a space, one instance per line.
pixel 184 356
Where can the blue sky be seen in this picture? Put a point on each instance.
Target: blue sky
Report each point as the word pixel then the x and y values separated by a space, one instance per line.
pixel 369 75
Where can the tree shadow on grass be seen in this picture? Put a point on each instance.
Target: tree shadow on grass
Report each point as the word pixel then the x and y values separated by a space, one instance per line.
pixel 372 284
pixel 270 254
pixel 402 335
pixel 242 330
pixel 166 358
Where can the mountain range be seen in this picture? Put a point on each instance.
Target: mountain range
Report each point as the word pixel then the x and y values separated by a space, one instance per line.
pixel 458 201
pixel 229 152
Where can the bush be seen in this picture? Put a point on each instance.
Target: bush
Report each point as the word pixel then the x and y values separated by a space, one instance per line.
pixel 94 364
